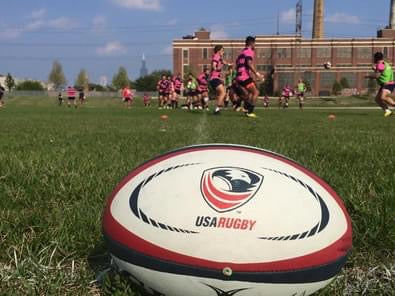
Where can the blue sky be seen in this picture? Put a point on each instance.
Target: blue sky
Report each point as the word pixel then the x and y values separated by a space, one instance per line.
pixel 101 35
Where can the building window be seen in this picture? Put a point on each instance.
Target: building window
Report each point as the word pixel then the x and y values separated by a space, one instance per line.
pixel 264 53
pixel 228 54
pixel 186 69
pixel 283 53
pixel 344 52
pixel 310 78
pixel 264 68
pixel 364 52
pixel 185 56
pixel 205 66
pixel 327 79
pixel 351 78
pixel 304 53
pixel 285 78
pixel 205 54
pixel 324 52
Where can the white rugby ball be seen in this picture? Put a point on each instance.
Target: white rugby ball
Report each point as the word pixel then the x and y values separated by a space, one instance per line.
pixel 327 65
pixel 227 220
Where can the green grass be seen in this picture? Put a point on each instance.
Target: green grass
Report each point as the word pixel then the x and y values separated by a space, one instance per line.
pixel 58 164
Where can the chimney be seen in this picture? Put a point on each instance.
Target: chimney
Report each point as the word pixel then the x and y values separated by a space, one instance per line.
pixel 392 15
pixel 318 19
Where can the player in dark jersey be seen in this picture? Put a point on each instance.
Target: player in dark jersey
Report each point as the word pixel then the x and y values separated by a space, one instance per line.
pixel 162 87
pixel 245 67
pixel 81 96
pixel 60 98
pixel 2 91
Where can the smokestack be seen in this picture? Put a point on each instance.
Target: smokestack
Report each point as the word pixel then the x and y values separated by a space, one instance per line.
pixel 392 15
pixel 318 19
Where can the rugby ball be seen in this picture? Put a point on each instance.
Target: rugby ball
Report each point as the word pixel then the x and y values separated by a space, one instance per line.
pixel 223 219
pixel 327 65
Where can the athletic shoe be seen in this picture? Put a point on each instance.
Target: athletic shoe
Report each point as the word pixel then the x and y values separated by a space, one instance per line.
pixel 388 113
pixel 251 115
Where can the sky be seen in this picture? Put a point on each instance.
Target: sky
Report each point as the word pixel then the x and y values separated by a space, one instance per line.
pixel 102 35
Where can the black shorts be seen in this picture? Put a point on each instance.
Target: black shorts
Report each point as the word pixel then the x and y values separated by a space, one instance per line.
pixel 390 87
pixel 81 98
pixel 246 82
pixel 215 83
pixel 301 94
pixel 1 95
pixel 162 94
pixel 72 98
pixel 178 91
pixel 192 93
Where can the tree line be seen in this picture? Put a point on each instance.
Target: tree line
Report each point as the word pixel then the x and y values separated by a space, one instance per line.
pixel 57 78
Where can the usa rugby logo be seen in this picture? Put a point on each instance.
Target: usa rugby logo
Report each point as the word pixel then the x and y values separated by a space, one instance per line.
pixel 228 188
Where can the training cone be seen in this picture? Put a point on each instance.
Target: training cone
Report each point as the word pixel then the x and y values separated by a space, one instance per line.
pixel 331 116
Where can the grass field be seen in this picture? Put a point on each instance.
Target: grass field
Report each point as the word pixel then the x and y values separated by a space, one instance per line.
pixel 58 164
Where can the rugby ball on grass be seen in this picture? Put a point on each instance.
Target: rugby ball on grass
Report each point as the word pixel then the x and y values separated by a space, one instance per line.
pixel 226 220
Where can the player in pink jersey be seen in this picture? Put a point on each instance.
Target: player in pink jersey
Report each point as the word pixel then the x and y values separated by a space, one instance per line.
pixel 170 92
pixel 127 97
pixel 177 82
pixel 245 67
pixel 286 93
pixel 215 78
pixel 146 100
pixel 2 91
pixel 71 96
pixel 203 87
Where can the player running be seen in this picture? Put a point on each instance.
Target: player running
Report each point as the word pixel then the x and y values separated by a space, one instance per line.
pixel 286 93
pixel 146 100
pixel 162 87
pixel 203 87
pixel 2 91
pixel 71 96
pixel 177 82
pixel 127 97
pixel 215 77
pixel 244 67
pixel 385 79
pixel 192 92
pixel 301 90
pixel 81 96
pixel 60 98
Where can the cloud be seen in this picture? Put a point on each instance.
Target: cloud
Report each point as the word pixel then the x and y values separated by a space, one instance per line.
pixel 218 32
pixel 139 4
pixel 34 25
pixel 112 48
pixel 38 14
pixel 343 18
pixel 62 23
pixel 99 23
pixel 288 17
pixel 10 33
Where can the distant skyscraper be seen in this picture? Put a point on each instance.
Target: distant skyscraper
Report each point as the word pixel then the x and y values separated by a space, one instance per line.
pixel 103 81
pixel 143 69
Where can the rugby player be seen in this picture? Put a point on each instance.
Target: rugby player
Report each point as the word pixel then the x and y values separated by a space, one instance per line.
pixel 385 79
pixel 245 67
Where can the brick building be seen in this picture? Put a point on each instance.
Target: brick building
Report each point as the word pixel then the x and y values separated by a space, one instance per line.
pixel 293 57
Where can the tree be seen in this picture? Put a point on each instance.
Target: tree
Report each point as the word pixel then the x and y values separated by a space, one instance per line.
pixel 82 80
pixel 9 82
pixel 56 76
pixel 336 88
pixel 148 83
pixel 344 82
pixel 121 78
pixel 30 85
